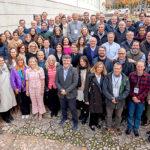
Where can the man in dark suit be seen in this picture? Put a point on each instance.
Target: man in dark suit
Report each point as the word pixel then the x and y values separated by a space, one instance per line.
pixel 91 51
pixel 47 50
pixel 66 81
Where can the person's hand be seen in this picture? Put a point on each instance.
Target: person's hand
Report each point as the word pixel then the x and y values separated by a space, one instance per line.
pixel 114 101
pixel 27 93
pixel 16 91
pixel 87 103
pixel 131 60
pixel 149 102
pixel 135 99
pixel 63 92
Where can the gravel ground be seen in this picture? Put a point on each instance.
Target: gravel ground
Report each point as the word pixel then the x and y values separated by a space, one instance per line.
pixel 31 134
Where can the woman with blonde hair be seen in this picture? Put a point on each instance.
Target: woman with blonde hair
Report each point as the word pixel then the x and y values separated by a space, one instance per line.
pixel 50 78
pixel 32 51
pixel 18 83
pixel 35 87
pixel 93 95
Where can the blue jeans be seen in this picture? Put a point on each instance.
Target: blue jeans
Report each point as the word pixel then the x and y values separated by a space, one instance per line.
pixel 71 104
pixel 135 111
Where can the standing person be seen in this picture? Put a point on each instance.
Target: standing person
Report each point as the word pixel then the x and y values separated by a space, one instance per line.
pixel 116 88
pixel 35 87
pixel 50 82
pixel 7 97
pixel 140 86
pixel 59 53
pixel 41 60
pixel 81 44
pixel 74 27
pixel 66 81
pixel 83 70
pixel 93 94
pixel 66 46
pixel 18 83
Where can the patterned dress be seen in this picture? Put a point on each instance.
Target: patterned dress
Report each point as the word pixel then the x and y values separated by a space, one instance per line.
pixel 36 90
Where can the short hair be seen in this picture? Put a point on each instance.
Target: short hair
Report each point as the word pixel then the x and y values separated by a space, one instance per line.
pixel 118 64
pixel 102 47
pixel 142 13
pixel 66 57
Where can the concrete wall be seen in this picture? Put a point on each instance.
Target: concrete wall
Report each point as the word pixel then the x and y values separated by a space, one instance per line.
pixel 13 10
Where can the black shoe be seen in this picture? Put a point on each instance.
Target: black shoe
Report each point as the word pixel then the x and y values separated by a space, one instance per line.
pixel 7 120
pixel 52 114
pixel 92 128
pixel 98 126
pixel 149 138
pixel 62 122
pixel 136 133
pixel 128 131
pixel 11 118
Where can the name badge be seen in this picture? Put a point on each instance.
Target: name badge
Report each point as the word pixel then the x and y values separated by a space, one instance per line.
pixel 136 90
pixel 75 31
pixel 92 33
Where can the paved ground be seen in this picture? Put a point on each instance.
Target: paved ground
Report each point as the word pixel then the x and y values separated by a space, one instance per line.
pixel 48 135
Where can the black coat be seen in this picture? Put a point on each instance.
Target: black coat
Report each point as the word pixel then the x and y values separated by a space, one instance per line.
pixel 120 37
pixel 75 59
pixel 126 45
pixel 93 93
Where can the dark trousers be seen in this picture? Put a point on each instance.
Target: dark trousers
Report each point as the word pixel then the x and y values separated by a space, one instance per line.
pixel 24 103
pixel 71 104
pixel 94 118
pixel 5 115
pixel 53 102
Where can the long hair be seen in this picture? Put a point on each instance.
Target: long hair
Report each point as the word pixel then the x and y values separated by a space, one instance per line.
pixel 50 57
pixel 93 69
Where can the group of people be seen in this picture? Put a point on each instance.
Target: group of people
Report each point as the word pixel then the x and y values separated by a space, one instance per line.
pixel 81 62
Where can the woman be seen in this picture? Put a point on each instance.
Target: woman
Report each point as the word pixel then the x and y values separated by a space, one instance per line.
pixel 32 51
pixel 83 70
pixel 57 37
pixel 39 42
pixel 12 58
pixel 8 35
pixel 22 51
pixel 66 46
pixel 34 35
pixel 81 45
pixel 35 87
pixel 59 53
pixel 75 56
pixel 93 93
pixel 27 40
pixel 18 83
pixel 7 97
pixel 15 42
pixel 50 74
pixel 85 34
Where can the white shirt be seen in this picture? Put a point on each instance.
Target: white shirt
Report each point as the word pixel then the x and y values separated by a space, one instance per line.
pixel 112 50
pixel 116 83
pixel 98 78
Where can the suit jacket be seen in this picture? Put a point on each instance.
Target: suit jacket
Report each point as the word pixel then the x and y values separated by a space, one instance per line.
pixel 70 84
pixel 87 53
pixel 123 91
pixel 51 52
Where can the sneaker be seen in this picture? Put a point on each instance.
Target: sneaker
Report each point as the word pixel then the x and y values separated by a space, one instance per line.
pixel 136 133
pixel 128 131
pixel 26 116
pixel 23 116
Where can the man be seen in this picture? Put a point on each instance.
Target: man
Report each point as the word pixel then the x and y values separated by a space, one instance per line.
pixel 74 28
pixel 92 26
pixel 91 51
pixel 127 44
pixel 147 23
pixel 51 25
pixel 37 18
pixel 113 24
pixel 135 53
pixel 111 47
pixel 102 57
pixel 67 80
pixel 101 35
pixel 145 45
pixel 129 25
pixel 34 25
pixel 127 67
pixel 140 86
pixel 21 33
pixel 116 88
pixel 47 50
pixel 23 24
pixel 57 21
pixel 86 20
pixel 120 33
pixel 45 33
pixel 44 17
